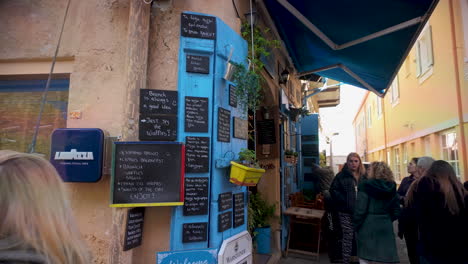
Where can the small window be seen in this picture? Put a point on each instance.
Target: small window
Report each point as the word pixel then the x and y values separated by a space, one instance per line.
pixel 394 92
pixel 450 150
pixel 369 115
pixel 396 164
pixel 379 107
pixel 424 55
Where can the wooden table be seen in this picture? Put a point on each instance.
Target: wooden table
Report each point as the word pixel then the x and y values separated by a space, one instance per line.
pixel 299 215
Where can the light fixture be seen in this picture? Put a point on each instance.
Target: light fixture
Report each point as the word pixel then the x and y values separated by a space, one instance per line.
pixel 284 77
pixel 251 16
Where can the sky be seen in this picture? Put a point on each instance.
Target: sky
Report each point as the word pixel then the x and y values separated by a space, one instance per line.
pixel 339 119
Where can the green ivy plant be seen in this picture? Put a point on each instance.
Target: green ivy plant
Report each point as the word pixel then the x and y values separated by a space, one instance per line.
pixel 260 212
pixel 248 81
pixel 248 157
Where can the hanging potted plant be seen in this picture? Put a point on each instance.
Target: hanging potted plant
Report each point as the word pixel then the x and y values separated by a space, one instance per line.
pixel 259 215
pixel 290 156
pixel 246 172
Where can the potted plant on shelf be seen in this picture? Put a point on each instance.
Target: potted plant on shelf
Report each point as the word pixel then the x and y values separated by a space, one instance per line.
pixel 246 172
pixel 290 156
pixel 259 216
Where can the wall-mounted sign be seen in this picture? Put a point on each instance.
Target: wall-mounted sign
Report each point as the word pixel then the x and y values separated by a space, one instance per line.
pixel 240 128
pixel 201 256
pixel 147 174
pixel 232 96
pixel 266 131
pixel 224 221
pixel 134 228
pixel 158 102
pixel 197 26
pixel 224 125
pixel 197 154
pixel 196 114
pixel 224 201
pixel 236 249
pixel 310 150
pixel 157 127
pixel 239 209
pixel 77 153
pixel 194 232
pixel 197 64
pixel 196 196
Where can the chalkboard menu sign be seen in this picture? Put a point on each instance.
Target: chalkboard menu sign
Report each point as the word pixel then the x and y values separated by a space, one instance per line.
pixel 196 196
pixel 134 228
pixel 196 114
pixel 197 64
pixel 158 102
pixel 147 174
pixel 224 221
pixel 224 201
pixel 197 154
pixel 310 150
pixel 266 131
pixel 197 26
pixel 240 128
pixel 194 232
pixel 158 127
pixel 224 125
pixel 232 96
pixel 239 209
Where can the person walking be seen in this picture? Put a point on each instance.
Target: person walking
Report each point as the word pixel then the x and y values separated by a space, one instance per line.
pixel 440 203
pixel 407 181
pixel 377 206
pixel 343 193
pixel 36 219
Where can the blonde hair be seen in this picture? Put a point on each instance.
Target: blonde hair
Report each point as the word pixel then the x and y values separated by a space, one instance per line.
pixel 35 210
pixel 361 170
pixel 380 170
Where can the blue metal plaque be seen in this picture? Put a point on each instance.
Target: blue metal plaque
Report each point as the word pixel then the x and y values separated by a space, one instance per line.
pixel 204 256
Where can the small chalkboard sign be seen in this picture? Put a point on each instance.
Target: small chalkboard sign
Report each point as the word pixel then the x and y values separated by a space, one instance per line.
pixel 197 64
pixel 196 114
pixel 194 232
pixel 266 131
pixel 239 209
pixel 158 102
pixel 157 127
pixel 224 221
pixel 310 150
pixel 196 196
pixel 224 125
pixel 147 174
pixel 232 96
pixel 134 228
pixel 240 128
pixel 224 201
pixel 197 26
pixel 197 154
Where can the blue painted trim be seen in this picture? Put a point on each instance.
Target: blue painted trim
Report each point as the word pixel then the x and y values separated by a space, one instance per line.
pixel 8 86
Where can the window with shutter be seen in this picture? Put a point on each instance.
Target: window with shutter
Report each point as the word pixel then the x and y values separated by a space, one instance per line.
pixel 424 54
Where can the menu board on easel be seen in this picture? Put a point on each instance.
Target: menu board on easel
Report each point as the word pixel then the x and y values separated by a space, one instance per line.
pixel 147 174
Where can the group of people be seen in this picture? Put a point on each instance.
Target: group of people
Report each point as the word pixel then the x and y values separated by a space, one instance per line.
pixel 430 204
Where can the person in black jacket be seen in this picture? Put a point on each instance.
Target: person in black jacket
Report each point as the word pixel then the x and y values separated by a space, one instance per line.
pixel 440 203
pixel 343 193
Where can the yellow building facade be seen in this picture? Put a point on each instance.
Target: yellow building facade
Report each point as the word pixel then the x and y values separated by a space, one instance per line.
pixel 425 110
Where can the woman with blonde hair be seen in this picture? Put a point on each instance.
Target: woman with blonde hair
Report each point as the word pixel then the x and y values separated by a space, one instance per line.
pixel 343 192
pixel 377 206
pixel 36 220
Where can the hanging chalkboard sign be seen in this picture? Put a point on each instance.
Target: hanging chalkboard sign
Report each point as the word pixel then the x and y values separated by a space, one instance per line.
pixel 158 127
pixel 310 150
pixel 197 154
pixel 232 96
pixel 134 228
pixel 239 209
pixel 240 129
pixel 266 131
pixel 197 64
pixel 224 221
pixel 147 174
pixel 196 114
pixel 194 232
pixel 224 201
pixel 224 125
pixel 158 102
pixel 197 26
pixel 196 196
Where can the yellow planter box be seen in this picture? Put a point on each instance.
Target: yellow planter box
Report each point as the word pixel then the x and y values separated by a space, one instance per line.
pixel 243 175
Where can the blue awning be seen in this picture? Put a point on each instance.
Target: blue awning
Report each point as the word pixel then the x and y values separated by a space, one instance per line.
pixel 359 42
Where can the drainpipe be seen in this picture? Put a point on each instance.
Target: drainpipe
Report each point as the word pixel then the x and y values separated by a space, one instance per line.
pixel 462 139
pixel 136 77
